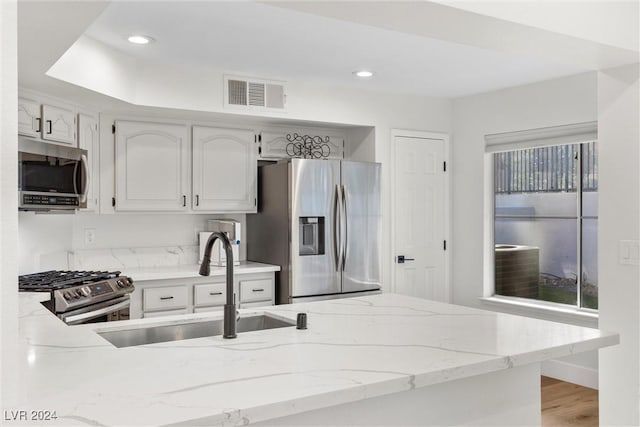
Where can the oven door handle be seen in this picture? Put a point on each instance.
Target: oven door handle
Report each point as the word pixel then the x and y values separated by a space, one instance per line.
pixel 80 318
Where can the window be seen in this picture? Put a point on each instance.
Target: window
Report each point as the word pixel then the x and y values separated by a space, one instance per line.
pixel 545 223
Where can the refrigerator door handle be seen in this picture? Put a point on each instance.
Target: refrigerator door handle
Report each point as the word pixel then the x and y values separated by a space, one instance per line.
pixel 346 228
pixel 337 238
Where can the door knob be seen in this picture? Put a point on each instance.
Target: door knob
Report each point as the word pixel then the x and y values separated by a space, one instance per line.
pixel 402 259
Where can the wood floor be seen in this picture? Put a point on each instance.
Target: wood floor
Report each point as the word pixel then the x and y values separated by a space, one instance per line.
pixel 566 404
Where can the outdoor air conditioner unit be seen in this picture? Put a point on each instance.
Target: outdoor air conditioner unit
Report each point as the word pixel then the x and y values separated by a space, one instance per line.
pixel 253 94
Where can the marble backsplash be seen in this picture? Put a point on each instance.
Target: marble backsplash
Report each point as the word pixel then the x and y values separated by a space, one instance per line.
pixel 118 259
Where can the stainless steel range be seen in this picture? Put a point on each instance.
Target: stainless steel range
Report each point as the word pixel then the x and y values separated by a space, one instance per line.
pixel 82 296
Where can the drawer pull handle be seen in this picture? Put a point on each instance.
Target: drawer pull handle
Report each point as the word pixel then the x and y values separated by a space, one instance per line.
pixel 163 298
pixel 258 290
pixel 215 293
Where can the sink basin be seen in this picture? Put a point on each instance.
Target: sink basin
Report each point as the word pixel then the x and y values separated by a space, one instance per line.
pixel 185 331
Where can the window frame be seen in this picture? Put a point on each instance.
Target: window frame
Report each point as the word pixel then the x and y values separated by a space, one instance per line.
pixel 578 133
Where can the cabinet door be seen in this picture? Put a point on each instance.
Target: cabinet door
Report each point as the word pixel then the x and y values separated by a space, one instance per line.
pixel 59 125
pixel 88 140
pixel 152 167
pixel 224 170
pixel 28 117
pixel 300 144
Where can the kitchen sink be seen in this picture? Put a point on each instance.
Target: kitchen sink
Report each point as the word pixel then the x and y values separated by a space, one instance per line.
pixel 185 331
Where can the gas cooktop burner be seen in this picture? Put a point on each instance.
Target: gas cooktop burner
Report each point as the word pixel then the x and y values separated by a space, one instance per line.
pixel 54 279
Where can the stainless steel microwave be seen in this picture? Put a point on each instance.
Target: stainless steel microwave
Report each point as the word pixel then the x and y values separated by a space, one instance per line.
pixel 51 177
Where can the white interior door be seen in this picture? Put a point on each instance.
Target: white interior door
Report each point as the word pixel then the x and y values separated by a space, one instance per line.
pixel 419 220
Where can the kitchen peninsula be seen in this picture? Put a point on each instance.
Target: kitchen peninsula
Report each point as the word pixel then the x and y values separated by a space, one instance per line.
pixel 383 359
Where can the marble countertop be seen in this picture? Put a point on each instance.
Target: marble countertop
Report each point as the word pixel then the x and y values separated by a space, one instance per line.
pixel 354 349
pixel 191 270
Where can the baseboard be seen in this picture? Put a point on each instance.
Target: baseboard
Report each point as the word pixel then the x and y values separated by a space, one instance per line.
pixel 576 374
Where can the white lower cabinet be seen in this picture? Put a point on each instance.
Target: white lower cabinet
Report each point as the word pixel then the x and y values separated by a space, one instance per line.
pixel 255 290
pixel 209 294
pixel 155 298
pixel 164 298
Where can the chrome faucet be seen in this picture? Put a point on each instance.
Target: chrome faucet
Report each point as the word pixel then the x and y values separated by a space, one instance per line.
pixel 230 306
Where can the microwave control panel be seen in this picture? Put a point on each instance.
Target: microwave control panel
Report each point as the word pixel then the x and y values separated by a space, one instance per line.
pixel 48 200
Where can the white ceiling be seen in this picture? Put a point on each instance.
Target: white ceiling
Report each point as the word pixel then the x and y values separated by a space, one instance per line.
pixel 262 40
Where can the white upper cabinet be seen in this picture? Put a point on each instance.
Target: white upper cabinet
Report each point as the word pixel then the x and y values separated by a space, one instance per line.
pixel 51 123
pixel 300 143
pixel 88 139
pixel 224 170
pixel 28 117
pixel 152 166
pixel 59 125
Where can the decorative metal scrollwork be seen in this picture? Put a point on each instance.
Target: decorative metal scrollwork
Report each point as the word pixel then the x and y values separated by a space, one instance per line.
pixel 308 147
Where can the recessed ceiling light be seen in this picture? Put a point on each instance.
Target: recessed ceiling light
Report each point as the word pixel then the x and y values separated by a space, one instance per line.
pixel 138 39
pixel 363 73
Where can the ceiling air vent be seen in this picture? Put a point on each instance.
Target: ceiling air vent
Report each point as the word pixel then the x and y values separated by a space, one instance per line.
pixel 237 92
pixel 254 94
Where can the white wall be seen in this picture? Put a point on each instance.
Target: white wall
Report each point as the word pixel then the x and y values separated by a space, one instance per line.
pixel 613 23
pixel 552 103
pixel 182 88
pixel 619 217
pixel 45 239
pixel 556 102
pixel 9 202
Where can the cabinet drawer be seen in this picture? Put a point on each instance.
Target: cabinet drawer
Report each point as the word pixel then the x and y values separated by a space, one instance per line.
pixel 164 298
pixel 256 290
pixel 163 313
pixel 209 294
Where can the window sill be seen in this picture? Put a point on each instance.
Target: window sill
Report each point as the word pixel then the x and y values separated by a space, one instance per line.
pixel 541 310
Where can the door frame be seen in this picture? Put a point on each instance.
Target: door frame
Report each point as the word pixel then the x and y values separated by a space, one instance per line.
pixel 447 201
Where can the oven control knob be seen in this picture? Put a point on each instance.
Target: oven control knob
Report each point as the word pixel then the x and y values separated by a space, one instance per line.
pixel 67 296
pixel 79 293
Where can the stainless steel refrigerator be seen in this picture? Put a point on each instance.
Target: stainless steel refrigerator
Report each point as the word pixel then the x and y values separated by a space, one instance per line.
pixel 319 220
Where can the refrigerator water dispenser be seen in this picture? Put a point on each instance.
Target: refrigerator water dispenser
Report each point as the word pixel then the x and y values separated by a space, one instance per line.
pixel 311 234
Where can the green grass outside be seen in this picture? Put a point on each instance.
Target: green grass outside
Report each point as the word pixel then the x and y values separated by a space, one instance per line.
pixel 564 296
